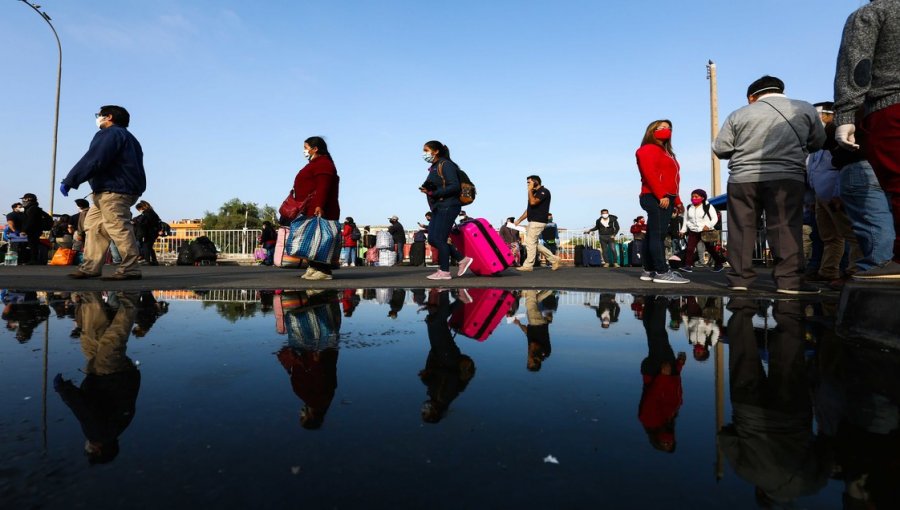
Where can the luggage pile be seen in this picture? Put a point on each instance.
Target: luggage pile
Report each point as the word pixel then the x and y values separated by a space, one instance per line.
pixel 384 254
pixel 199 252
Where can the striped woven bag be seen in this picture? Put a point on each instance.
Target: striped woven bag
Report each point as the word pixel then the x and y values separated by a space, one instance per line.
pixel 314 238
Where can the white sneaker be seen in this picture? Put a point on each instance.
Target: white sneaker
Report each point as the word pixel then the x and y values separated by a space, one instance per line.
pixel 319 275
pixel 670 277
pixel 309 271
pixel 464 266
pixel 440 275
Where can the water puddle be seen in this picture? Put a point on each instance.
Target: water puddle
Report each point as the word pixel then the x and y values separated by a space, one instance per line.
pixel 440 398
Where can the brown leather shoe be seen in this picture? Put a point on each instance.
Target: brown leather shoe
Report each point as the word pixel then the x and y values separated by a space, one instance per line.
pixel 122 276
pixel 80 275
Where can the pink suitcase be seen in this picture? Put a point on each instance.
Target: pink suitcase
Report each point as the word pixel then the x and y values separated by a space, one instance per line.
pixel 282 259
pixel 478 239
pixel 480 318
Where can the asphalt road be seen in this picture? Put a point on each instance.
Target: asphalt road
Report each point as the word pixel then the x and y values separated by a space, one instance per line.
pixel 54 278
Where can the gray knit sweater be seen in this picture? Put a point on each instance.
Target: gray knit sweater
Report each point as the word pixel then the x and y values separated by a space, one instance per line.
pixel 760 144
pixel 868 64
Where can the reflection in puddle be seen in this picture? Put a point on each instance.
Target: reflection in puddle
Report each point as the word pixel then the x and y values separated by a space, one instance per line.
pixel 211 385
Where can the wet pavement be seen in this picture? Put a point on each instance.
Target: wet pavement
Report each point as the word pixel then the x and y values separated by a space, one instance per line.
pixel 442 398
pixel 703 281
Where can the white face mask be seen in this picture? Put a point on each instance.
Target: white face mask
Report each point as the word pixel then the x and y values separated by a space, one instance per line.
pixel 428 157
pixel 604 216
pixel 307 155
pixel 99 121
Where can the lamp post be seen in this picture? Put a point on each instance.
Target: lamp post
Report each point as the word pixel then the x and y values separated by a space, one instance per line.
pixel 46 17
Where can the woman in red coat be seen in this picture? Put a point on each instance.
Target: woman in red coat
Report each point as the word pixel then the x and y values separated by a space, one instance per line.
pixel 319 181
pixel 659 197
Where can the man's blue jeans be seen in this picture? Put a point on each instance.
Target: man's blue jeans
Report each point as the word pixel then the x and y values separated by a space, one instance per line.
pixel 869 211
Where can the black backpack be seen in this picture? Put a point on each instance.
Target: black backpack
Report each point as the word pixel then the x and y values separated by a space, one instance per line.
pixel 355 234
pixel 46 220
pixel 185 256
pixel 203 249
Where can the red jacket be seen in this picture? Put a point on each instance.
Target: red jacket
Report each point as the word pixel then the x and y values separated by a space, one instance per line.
pixel 659 172
pixel 319 176
pixel 346 231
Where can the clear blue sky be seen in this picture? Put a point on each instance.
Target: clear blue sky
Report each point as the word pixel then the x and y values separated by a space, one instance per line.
pixel 223 93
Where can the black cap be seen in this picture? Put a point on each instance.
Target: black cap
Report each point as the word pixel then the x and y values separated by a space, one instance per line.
pixel 765 84
pixel 82 203
pixel 29 196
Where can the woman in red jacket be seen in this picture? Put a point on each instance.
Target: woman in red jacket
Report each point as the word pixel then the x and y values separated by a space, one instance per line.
pixel 659 197
pixel 348 252
pixel 318 181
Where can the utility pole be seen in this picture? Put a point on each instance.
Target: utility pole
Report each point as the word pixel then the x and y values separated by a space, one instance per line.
pixel 716 181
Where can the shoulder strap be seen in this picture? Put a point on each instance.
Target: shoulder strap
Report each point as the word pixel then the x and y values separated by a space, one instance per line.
pixel 441 174
pixel 799 138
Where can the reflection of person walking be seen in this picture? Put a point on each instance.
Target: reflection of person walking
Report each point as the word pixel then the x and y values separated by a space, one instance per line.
pixel 537 332
pixel 447 370
pixel 538 215
pixel 105 402
pixel 114 167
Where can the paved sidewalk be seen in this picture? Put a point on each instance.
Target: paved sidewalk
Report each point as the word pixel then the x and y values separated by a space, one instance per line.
pixel 53 278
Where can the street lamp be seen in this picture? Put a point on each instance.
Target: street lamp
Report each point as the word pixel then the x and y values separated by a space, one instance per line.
pixel 46 17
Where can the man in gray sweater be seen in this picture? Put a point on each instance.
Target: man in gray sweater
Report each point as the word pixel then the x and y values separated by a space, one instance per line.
pixel 868 77
pixel 766 143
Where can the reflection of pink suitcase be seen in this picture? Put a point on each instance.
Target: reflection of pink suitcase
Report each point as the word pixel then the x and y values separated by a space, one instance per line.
pixel 282 259
pixel 478 239
pixel 480 318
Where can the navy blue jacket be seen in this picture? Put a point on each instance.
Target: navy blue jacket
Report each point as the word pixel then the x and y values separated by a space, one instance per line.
pixel 114 162
pixel 445 186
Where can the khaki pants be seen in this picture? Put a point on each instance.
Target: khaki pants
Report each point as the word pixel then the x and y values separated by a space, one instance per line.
pixel 532 246
pixel 834 229
pixel 110 219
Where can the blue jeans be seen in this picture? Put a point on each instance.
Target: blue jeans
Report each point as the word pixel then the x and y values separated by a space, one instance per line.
pixel 870 215
pixel 348 255
pixel 442 219
pixel 653 251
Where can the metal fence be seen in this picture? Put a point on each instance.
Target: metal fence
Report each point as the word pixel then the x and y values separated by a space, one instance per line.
pixel 239 245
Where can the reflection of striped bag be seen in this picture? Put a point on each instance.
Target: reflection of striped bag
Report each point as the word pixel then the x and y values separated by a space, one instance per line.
pixel 315 239
pixel 314 328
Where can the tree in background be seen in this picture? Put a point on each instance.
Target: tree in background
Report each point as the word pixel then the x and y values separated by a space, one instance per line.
pixel 234 213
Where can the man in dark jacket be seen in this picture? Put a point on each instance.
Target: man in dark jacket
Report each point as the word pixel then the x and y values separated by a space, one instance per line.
pixel 114 167
pixel 607 227
pixel 399 236
pixel 33 226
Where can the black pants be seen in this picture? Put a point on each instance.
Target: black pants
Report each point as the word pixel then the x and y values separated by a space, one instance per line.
pixel 38 252
pixel 782 203
pixel 147 251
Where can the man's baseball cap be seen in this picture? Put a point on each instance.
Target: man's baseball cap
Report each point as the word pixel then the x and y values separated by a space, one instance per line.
pixel 394 218
pixel 29 196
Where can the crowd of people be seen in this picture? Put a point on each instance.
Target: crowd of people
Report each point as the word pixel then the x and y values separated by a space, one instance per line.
pixel 843 156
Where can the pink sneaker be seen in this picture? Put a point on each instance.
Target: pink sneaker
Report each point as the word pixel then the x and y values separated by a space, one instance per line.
pixel 439 275
pixel 464 265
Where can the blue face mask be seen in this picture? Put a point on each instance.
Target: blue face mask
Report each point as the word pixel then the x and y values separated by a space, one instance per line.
pixel 428 157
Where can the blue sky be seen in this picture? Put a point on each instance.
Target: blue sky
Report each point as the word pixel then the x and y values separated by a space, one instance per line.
pixel 223 93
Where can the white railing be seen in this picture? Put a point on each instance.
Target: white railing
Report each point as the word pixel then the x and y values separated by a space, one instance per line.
pixel 238 245
pixel 235 245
